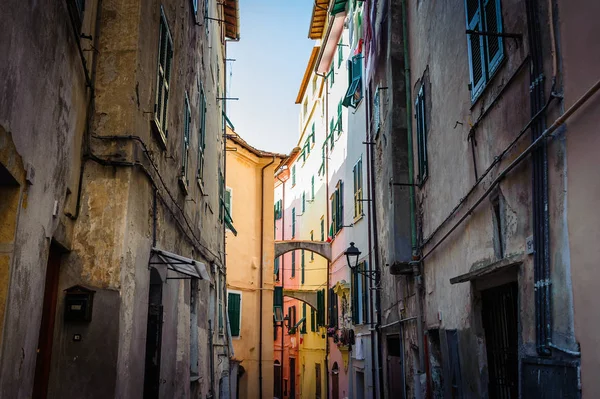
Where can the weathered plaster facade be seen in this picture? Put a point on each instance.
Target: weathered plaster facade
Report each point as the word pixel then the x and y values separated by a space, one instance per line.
pixel 91 186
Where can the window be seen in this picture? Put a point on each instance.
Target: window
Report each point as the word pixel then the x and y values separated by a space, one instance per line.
pixel 303 327
pixel 337 209
pixel 339 125
pixel 221 195
pixel 312 254
pixel 293 222
pixel 303 201
pixel 421 135
pixel 312 188
pixel 376 112
pixel 322 228
pixel 278 299
pixel 234 312
pixel 278 209
pixel 358 193
pixel 313 320
pixel 165 59
pixel 360 296
pixel 485 52
pixel 201 134
pixel 321 308
pixel 292 315
pixel 302 265
pixel 276 268
pixel 340 52
pixel 293 263
pixel 354 92
pixel 293 175
pixel 333 308
pixel 187 119
pixel 331 76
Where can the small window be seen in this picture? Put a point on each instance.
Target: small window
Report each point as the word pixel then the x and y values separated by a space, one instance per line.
pixel 201 133
pixel 187 120
pixel 163 76
pixel 333 308
pixel 420 116
pixel 358 189
pixel 234 312
pixel 485 52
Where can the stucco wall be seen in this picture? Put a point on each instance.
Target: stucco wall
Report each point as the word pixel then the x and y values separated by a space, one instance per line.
pixel 577 50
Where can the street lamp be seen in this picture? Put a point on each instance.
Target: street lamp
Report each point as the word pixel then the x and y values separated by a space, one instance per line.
pixel 352 254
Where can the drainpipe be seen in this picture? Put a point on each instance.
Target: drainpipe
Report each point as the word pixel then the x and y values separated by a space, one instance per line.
pixel 413 227
pixel 282 278
pixel 372 287
pixel 326 173
pixel 541 222
pixel 262 272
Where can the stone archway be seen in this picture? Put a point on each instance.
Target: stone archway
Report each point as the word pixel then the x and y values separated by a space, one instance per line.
pixel 318 247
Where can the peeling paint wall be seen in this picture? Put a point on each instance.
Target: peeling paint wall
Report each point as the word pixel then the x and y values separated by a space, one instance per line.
pixel 104 222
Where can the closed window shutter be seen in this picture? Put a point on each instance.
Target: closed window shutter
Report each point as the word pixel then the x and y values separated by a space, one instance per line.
pixel 493 24
pixel 341 206
pixel 365 296
pixel 278 297
pixel 302 266
pixel 293 263
pixel 476 42
pixel 334 212
pixel 339 116
pixel 354 305
pixel 313 320
pixel 233 303
pixel 303 329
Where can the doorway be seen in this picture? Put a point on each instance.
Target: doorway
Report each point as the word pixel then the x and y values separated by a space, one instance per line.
pixel 394 367
pixel 500 321
pixel 335 381
pixel 292 378
pixel 277 379
pixel 360 385
pixel 153 337
pixel 46 334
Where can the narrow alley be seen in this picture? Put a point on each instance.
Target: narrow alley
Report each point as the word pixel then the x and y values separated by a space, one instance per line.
pixel 324 199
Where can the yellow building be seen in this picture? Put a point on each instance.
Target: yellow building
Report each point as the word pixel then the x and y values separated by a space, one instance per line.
pixel 249 201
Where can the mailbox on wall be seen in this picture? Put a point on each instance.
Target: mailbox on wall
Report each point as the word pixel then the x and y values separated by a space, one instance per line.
pixel 78 303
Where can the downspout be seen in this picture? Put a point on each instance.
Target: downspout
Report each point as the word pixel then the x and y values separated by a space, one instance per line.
pixel 540 202
pixel 262 271
pixel 282 278
pixel 411 188
pixel 326 173
pixel 372 287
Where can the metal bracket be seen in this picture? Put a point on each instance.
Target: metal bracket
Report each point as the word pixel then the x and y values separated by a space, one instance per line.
pixel 516 36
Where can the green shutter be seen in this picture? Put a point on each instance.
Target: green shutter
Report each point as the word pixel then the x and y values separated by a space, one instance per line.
pixel 339 116
pixel 334 212
pixel 354 305
pixel 302 267
pixel 294 175
pixel 293 263
pixel 322 229
pixel 303 201
pixel 340 216
pixel 278 297
pixel 312 187
pixel 293 222
pixel 313 320
pixel 233 310
pixel 303 328
pixel 276 269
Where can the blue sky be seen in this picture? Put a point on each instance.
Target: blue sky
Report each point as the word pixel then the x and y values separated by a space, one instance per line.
pixel 271 58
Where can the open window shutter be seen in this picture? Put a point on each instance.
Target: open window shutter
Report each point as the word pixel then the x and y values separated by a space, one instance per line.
pixel 365 295
pixel 476 53
pixel 333 213
pixel 341 206
pixel 233 303
pixel 493 24
pixel 313 320
pixel 350 73
pixel 228 201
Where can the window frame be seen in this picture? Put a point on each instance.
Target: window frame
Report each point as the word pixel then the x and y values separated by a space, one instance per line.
pixel 201 135
pixel 238 293
pixel 421 132
pixel 357 173
pixel 478 21
pixel 163 77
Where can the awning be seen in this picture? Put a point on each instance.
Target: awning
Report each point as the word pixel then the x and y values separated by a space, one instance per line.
pixel 478 271
pixel 179 264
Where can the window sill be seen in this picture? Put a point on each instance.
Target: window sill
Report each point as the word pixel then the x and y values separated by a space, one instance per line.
pixel 358 218
pixel 183 185
pixel 159 134
pixel 201 186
